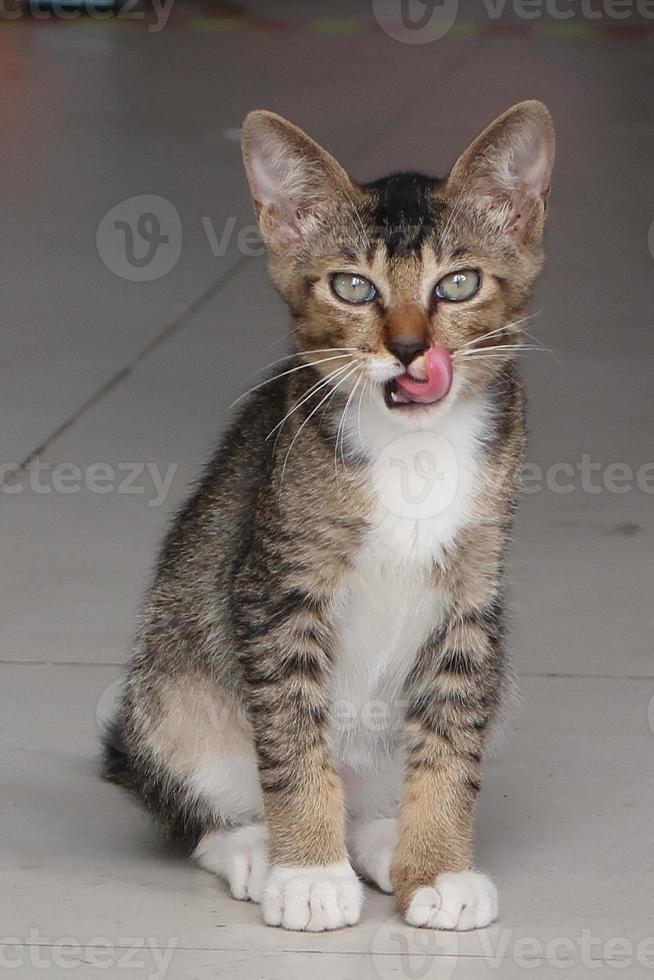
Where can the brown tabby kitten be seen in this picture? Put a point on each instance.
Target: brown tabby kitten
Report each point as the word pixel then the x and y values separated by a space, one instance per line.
pixel 321 650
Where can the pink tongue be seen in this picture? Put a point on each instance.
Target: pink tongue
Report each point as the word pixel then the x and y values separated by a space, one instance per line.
pixel 438 365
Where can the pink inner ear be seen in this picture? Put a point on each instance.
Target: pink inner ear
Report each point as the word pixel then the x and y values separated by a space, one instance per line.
pixel 531 165
pixel 516 179
pixel 267 188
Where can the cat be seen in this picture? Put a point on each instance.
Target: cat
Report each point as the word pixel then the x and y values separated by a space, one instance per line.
pixel 321 653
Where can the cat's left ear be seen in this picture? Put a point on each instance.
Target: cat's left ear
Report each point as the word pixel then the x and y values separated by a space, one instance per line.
pixel 293 180
pixel 510 167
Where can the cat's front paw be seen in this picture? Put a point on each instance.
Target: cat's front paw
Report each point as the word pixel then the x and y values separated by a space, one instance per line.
pixel 312 899
pixel 458 900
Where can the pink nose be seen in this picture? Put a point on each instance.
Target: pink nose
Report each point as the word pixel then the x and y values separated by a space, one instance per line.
pixel 438 365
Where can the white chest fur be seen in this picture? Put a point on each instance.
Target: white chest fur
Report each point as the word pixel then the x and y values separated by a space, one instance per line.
pixel 424 474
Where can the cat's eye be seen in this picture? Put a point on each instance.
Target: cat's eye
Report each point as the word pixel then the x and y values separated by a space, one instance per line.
pixel 352 288
pixel 459 285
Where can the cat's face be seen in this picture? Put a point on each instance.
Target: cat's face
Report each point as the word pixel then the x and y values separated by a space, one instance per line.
pixel 410 287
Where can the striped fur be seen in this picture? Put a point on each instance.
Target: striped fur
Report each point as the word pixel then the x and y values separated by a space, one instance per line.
pixel 293 582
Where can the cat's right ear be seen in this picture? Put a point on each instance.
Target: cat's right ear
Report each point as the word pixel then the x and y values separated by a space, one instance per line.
pixel 293 180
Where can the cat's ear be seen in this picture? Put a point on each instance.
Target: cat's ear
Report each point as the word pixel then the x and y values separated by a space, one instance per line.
pixel 510 167
pixel 292 179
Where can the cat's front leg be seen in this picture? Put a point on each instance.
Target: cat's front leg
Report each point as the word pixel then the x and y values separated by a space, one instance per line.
pixel 452 695
pixel 311 884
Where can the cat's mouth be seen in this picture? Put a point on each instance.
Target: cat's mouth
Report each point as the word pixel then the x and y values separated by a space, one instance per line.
pixel 427 381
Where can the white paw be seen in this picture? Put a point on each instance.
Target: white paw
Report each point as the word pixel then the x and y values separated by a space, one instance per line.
pixel 372 845
pixel 312 899
pixel 240 856
pixel 459 900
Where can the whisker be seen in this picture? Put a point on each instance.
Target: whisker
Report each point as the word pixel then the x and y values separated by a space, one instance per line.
pixel 341 426
pixel 506 326
pixel 284 336
pixel 311 414
pixel 314 388
pixel 363 391
pixel 489 357
pixel 276 377
pixel 496 347
pixel 300 353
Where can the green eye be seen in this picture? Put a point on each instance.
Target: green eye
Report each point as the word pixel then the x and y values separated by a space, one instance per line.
pixel 458 285
pixel 352 288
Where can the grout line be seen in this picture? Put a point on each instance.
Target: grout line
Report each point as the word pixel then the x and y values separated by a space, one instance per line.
pixel 600 677
pixel 450 67
pixel 63 663
pixel 125 663
pixel 290 951
pixel 168 331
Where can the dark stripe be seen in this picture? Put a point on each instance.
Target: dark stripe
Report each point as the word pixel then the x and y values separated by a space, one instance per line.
pixel 460 664
pixel 403 215
pixel 290 603
pixel 282 785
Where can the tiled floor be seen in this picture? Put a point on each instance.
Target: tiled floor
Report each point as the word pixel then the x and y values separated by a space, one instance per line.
pixel 98 369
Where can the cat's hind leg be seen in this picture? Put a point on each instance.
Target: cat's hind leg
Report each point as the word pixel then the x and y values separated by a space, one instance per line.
pixel 240 856
pixel 185 749
pixel 372 801
pixel 371 845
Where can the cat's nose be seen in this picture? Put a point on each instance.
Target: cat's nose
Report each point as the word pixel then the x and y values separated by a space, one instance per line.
pixel 406 350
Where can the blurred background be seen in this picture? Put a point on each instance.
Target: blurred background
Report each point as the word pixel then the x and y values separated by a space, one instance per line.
pixel 135 307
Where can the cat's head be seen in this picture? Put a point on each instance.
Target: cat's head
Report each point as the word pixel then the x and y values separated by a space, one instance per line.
pixel 410 282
